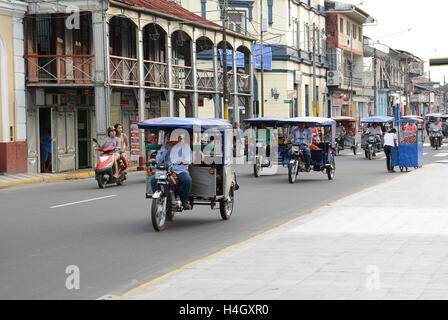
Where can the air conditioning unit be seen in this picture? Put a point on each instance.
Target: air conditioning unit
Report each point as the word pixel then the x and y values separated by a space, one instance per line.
pixel 334 78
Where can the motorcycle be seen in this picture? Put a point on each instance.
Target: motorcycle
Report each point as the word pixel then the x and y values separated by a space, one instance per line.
pixel 339 141
pixel 104 170
pixel 297 162
pixel 436 138
pixel 371 146
pixel 166 200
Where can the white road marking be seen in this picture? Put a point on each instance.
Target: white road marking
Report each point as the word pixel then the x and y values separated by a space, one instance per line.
pixel 82 201
pixel 426 144
pixel 440 155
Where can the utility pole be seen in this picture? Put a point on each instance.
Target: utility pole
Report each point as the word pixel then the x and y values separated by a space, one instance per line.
pixel 262 59
pixel 374 80
pixel 444 94
pixel 224 62
pixel 351 73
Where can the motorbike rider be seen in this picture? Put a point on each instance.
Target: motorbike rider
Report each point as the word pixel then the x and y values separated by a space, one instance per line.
pixel 173 152
pixel 124 144
pixel 112 140
pixel 304 136
pixel 340 132
pixel 433 127
pixel 377 132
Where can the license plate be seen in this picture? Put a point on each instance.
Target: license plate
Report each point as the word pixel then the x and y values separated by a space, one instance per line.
pixel 260 145
pixel 295 149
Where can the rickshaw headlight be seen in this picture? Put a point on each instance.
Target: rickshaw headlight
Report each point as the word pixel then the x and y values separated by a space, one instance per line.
pixel 211 171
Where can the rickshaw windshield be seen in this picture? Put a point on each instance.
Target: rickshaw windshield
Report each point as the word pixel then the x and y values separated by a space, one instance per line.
pixel 203 136
pixel 323 129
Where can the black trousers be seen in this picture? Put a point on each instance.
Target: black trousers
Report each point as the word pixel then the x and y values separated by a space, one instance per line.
pixel 388 152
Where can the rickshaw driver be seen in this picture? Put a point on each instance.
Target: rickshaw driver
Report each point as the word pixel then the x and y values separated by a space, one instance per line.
pixel 176 151
pixel 303 136
pixel 377 131
pixel 340 132
pixel 436 125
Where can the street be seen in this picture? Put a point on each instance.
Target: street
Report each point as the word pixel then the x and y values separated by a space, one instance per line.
pixel 107 234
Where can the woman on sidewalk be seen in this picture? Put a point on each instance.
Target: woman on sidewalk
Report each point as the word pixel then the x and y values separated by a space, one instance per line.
pixel 390 141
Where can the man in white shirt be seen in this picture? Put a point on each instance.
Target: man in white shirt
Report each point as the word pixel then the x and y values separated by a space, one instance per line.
pixel 390 141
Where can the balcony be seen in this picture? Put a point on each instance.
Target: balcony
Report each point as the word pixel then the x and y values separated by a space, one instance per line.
pixel 156 74
pixel 123 71
pixel 60 69
pixel 182 77
pixel 205 79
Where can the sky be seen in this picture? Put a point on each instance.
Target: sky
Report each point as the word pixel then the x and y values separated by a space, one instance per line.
pixel 429 22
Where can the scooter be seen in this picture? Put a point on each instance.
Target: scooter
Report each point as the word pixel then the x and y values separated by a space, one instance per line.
pixel 104 170
pixel 436 140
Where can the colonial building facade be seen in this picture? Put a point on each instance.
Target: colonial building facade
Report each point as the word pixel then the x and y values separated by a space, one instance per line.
pixel 91 64
pixel 294 35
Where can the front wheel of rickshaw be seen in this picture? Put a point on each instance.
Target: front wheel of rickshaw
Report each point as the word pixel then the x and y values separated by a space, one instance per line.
pixel 292 172
pixel 226 206
pixel 158 213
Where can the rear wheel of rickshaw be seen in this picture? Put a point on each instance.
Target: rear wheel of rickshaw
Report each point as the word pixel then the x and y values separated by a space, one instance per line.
pixel 401 169
pixel 292 171
pixel 355 150
pixel 226 206
pixel 158 213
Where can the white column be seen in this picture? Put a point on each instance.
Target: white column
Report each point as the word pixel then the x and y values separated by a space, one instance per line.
pixel 4 91
pixel 141 95
pixel 236 113
pixel 217 96
pixel 169 55
pixel 101 66
pixel 195 75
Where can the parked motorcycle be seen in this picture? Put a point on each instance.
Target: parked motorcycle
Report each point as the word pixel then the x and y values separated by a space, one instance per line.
pixel 436 138
pixel 104 170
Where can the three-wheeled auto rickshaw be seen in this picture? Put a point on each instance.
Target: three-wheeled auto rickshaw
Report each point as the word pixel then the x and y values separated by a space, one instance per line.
pixel 409 153
pixel 322 151
pixel 371 141
pixel 349 139
pixel 213 178
pixel 265 142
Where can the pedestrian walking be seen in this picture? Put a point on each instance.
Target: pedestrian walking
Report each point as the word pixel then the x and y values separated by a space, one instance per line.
pixel 390 141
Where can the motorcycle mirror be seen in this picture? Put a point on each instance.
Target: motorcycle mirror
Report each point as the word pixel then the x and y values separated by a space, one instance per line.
pixel 94 140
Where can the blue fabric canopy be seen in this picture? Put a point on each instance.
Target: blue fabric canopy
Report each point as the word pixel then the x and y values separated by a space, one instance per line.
pixel 185 123
pixel 316 121
pixel 434 115
pixel 270 121
pixel 378 119
pixel 409 120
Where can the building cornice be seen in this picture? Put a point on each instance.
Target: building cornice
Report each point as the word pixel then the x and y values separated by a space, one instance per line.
pixel 13 8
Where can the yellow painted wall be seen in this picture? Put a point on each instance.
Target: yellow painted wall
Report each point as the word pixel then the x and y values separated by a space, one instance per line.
pixel 6 32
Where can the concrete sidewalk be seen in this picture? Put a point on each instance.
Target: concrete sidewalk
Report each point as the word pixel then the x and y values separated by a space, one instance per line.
pixel 386 242
pixel 8 180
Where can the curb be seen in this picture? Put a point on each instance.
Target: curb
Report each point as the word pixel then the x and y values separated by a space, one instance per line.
pixel 71 176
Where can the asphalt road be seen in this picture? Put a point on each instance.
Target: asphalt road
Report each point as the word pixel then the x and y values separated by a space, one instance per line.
pixel 44 228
